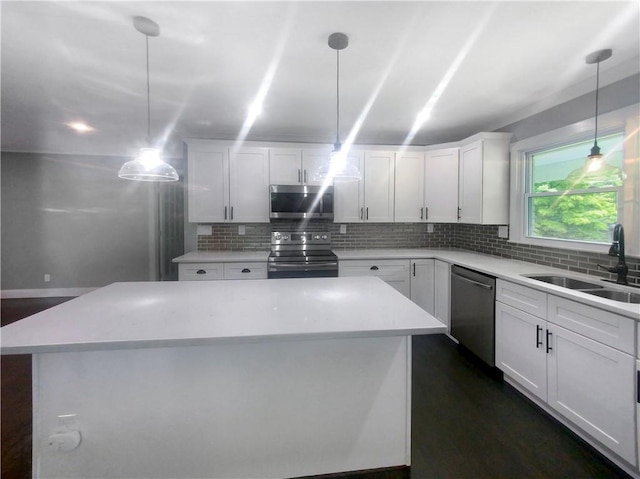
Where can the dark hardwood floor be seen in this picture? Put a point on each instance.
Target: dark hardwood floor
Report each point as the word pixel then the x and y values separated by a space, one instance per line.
pixel 466 424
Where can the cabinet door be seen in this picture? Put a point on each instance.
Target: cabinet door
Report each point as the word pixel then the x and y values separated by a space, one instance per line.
pixel 409 187
pixel 348 196
pixel 470 183
pixel 441 292
pixel 593 386
pixel 378 186
pixel 422 284
pixel 249 186
pixel 441 186
pixel 521 348
pixel 207 183
pixel 312 160
pixel 285 166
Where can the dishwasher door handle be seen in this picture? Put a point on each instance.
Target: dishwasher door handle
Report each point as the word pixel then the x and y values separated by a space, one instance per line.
pixel 476 283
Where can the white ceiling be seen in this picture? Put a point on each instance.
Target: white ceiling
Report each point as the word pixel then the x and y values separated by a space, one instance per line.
pixel 488 63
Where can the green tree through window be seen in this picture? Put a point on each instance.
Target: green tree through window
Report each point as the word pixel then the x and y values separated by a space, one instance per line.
pixel 567 200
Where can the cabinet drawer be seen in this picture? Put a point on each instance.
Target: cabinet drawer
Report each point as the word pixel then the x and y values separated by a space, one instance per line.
pixel 200 271
pixel 387 269
pixel 525 299
pixel 608 328
pixel 245 270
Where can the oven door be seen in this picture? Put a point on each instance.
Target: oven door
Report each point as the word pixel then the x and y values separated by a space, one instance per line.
pixel 301 269
pixel 300 201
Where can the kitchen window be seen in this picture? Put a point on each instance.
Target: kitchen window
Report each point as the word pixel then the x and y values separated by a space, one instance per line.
pixel 558 201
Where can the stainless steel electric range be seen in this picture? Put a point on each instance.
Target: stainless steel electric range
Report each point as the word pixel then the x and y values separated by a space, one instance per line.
pixel 301 255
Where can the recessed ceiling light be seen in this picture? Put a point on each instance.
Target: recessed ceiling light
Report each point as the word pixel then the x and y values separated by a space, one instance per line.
pixel 80 127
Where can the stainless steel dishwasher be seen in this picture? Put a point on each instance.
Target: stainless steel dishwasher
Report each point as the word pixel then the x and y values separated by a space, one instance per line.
pixel 473 298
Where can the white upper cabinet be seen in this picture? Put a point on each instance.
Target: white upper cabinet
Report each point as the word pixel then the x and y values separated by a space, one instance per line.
pixel 289 166
pixel 369 200
pixel 441 186
pixel 227 186
pixel 249 185
pixel 409 187
pixel 483 185
pixel 207 180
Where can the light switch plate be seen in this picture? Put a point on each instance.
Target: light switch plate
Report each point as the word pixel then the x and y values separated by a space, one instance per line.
pixel 503 231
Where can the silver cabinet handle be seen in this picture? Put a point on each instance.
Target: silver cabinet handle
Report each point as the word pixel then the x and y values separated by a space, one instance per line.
pixel 426 213
pixel 421 213
pixel 361 213
pixel 459 212
pixel 225 212
pixel 299 176
pixel 305 176
pixel 367 213
pixel 231 213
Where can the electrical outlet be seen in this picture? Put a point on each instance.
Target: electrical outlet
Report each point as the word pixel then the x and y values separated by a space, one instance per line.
pixel 47 277
pixel 343 229
pixel 429 227
pixel 503 231
pixel 241 230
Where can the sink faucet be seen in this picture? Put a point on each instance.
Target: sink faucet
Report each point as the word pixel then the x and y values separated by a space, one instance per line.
pixel 617 249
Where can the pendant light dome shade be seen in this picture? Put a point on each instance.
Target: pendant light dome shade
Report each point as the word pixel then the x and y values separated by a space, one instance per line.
pixel 338 167
pixel 148 165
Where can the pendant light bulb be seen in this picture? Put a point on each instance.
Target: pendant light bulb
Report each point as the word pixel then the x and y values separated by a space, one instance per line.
pixel 148 165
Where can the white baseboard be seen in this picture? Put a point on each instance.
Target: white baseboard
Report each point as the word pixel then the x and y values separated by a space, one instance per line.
pixel 43 293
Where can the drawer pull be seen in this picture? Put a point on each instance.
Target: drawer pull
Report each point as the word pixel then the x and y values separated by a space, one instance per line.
pixel 538 331
pixel 201 271
pixel 245 270
pixel 374 268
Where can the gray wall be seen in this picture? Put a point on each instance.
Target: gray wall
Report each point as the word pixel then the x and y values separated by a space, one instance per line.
pixel 70 216
pixel 615 96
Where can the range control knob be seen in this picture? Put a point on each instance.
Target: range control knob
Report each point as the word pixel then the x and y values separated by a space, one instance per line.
pixel 324 237
pixel 286 237
pixel 317 237
pixel 278 237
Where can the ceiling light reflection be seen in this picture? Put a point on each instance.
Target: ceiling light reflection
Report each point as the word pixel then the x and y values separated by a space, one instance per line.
pixel 80 127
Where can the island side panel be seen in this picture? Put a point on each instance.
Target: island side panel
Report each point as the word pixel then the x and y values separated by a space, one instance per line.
pixel 268 410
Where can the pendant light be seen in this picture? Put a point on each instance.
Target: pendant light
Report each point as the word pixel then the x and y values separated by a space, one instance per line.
pixel 594 160
pixel 148 165
pixel 338 168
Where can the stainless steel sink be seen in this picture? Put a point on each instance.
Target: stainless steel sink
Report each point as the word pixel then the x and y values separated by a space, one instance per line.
pixel 626 285
pixel 622 296
pixel 565 282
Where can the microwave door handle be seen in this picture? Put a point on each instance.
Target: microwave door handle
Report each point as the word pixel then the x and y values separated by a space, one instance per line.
pixel 321 204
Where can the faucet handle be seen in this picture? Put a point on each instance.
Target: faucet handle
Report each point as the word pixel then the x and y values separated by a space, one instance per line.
pixel 609 269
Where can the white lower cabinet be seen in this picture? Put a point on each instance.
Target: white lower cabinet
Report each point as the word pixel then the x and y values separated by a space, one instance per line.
pixel 590 383
pixel 393 272
pixel 442 292
pixel 422 284
pixel 221 271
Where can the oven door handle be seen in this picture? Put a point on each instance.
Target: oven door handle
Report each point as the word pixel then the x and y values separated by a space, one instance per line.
pixel 316 265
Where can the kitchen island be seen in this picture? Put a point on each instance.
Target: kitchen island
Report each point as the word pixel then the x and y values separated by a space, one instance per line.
pixel 224 379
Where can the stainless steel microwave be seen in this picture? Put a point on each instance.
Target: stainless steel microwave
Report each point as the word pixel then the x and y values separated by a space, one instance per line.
pixel 300 201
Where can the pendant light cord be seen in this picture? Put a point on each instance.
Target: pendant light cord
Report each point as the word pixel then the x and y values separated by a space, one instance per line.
pixel 337 97
pixel 148 98
pixel 595 140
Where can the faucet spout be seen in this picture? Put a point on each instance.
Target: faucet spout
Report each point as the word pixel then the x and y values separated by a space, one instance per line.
pixel 617 249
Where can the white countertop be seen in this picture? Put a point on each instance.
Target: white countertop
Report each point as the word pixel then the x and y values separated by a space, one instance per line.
pixel 221 256
pixel 507 269
pixel 188 313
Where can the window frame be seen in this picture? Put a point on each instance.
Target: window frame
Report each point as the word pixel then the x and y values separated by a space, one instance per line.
pixel 613 122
